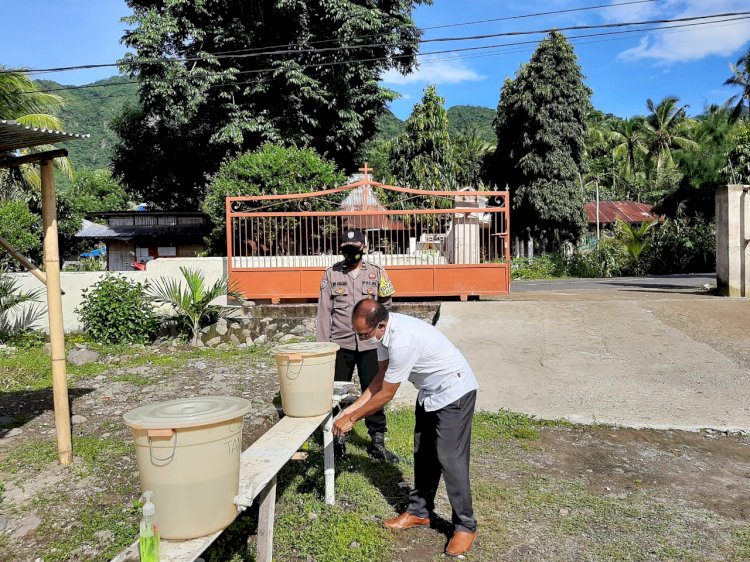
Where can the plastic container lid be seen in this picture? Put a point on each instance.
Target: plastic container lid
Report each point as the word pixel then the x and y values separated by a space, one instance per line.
pixel 187 412
pixel 306 348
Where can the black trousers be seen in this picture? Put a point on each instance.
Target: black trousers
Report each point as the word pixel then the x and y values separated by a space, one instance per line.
pixel 442 445
pixel 367 368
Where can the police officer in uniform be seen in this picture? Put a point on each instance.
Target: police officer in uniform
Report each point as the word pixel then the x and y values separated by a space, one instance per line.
pixel 344 284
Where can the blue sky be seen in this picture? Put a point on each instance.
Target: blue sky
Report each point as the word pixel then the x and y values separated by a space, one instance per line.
pixel 623 71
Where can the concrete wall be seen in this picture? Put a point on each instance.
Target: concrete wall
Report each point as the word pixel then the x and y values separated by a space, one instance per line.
pixel 733 240
pixel 73 283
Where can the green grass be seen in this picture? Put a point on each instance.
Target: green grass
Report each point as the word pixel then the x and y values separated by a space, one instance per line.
pixel 71 543
pixel 30 368
pixel 35 454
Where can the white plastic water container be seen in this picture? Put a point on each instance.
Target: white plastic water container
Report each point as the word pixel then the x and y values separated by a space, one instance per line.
pixel 306 372
pixel 188 454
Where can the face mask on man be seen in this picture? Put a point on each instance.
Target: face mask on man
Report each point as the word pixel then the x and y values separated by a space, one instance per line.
pixel 372 340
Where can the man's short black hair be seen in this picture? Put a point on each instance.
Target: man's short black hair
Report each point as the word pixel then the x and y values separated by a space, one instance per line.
pixel 372 311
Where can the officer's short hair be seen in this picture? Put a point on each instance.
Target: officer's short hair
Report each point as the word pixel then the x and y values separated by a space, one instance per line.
pixel 372 311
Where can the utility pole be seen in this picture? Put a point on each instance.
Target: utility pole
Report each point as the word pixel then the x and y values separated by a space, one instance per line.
pixel 597 212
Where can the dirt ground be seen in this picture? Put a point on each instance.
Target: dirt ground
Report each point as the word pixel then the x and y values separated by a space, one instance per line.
pixel 560 497
pixel 604 493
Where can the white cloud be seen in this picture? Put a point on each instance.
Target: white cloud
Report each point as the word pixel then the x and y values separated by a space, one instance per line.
pixel 435 72
pixel 688 43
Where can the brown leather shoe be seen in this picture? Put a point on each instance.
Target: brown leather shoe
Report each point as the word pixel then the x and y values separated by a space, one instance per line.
pixel 460 543
pixel 406 521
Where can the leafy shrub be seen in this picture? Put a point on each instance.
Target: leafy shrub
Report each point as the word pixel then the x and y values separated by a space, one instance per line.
pixel 118 310
pixel 608 260
pixel 87 264
pixel 684 245
pixel 546 266
pixel 20 227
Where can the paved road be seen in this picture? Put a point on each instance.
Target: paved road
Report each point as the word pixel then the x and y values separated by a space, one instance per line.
pixel 639 357
pixel 662 282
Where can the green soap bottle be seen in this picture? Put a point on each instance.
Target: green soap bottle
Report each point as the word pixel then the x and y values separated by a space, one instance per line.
pixel 149 536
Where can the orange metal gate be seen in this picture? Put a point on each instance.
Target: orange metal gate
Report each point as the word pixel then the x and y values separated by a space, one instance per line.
pixel 432 243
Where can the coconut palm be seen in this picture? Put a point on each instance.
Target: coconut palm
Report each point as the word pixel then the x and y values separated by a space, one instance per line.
pixel 22 100
pixel 630 147
pixel 667 127
pixel 190 306
pixel 740 78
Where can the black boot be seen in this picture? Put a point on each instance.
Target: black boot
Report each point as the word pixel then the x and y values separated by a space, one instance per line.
pixel 378 451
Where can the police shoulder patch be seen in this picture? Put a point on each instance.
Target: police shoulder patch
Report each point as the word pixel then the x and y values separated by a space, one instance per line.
pixel 385 287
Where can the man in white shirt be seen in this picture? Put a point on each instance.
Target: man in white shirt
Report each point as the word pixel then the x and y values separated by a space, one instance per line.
pixel 411 349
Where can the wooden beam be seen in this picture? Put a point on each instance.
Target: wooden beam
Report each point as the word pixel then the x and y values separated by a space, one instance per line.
pixel 34 157
pixel 266 517
pixel 54 311
pixel 33 269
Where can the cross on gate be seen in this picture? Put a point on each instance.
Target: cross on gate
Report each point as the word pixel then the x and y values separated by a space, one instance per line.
pixel 366 171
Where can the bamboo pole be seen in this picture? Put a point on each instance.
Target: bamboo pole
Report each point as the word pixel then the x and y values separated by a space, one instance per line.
pixel 54 308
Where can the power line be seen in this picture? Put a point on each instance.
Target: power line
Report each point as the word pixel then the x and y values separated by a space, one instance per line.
pixel 252 53
pixel 263 50
pixel 377 59
pixel 500 50
pixel 540 14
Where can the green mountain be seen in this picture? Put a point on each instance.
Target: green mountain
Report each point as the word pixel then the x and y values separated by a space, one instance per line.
pixel 467 118
pixel 90 110
pixel 461 119
pixel 389 126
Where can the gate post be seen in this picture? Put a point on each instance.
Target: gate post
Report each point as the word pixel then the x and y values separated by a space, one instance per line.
pixel 733 240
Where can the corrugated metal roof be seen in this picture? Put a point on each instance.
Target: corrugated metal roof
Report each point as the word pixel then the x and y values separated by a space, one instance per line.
pixel 363 198
pixel 627 211
pixel 360 199
pixel 14 135
pixel 103 231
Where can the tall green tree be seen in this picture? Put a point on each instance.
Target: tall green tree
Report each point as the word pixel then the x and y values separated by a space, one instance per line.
pixel 221 77
pixel 421 157
pixel 541 131
pixel 740 78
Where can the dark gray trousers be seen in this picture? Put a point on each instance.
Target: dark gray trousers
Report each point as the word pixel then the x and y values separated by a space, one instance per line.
pixel 442 445
pixel 367 369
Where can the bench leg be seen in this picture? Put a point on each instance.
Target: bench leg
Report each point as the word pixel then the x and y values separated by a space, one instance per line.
pixel 266 517
pixel 328 461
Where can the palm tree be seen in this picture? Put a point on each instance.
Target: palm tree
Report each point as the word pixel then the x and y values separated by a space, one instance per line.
pixel 667 127
pixel 630 146
pixel 22 100
pixel 740 78
pixel 636 240
pixel 191 305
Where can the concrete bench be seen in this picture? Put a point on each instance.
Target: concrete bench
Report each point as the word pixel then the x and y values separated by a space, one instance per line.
pixel 259 465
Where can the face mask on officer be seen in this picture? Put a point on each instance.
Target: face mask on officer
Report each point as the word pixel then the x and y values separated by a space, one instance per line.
pixel 352 254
